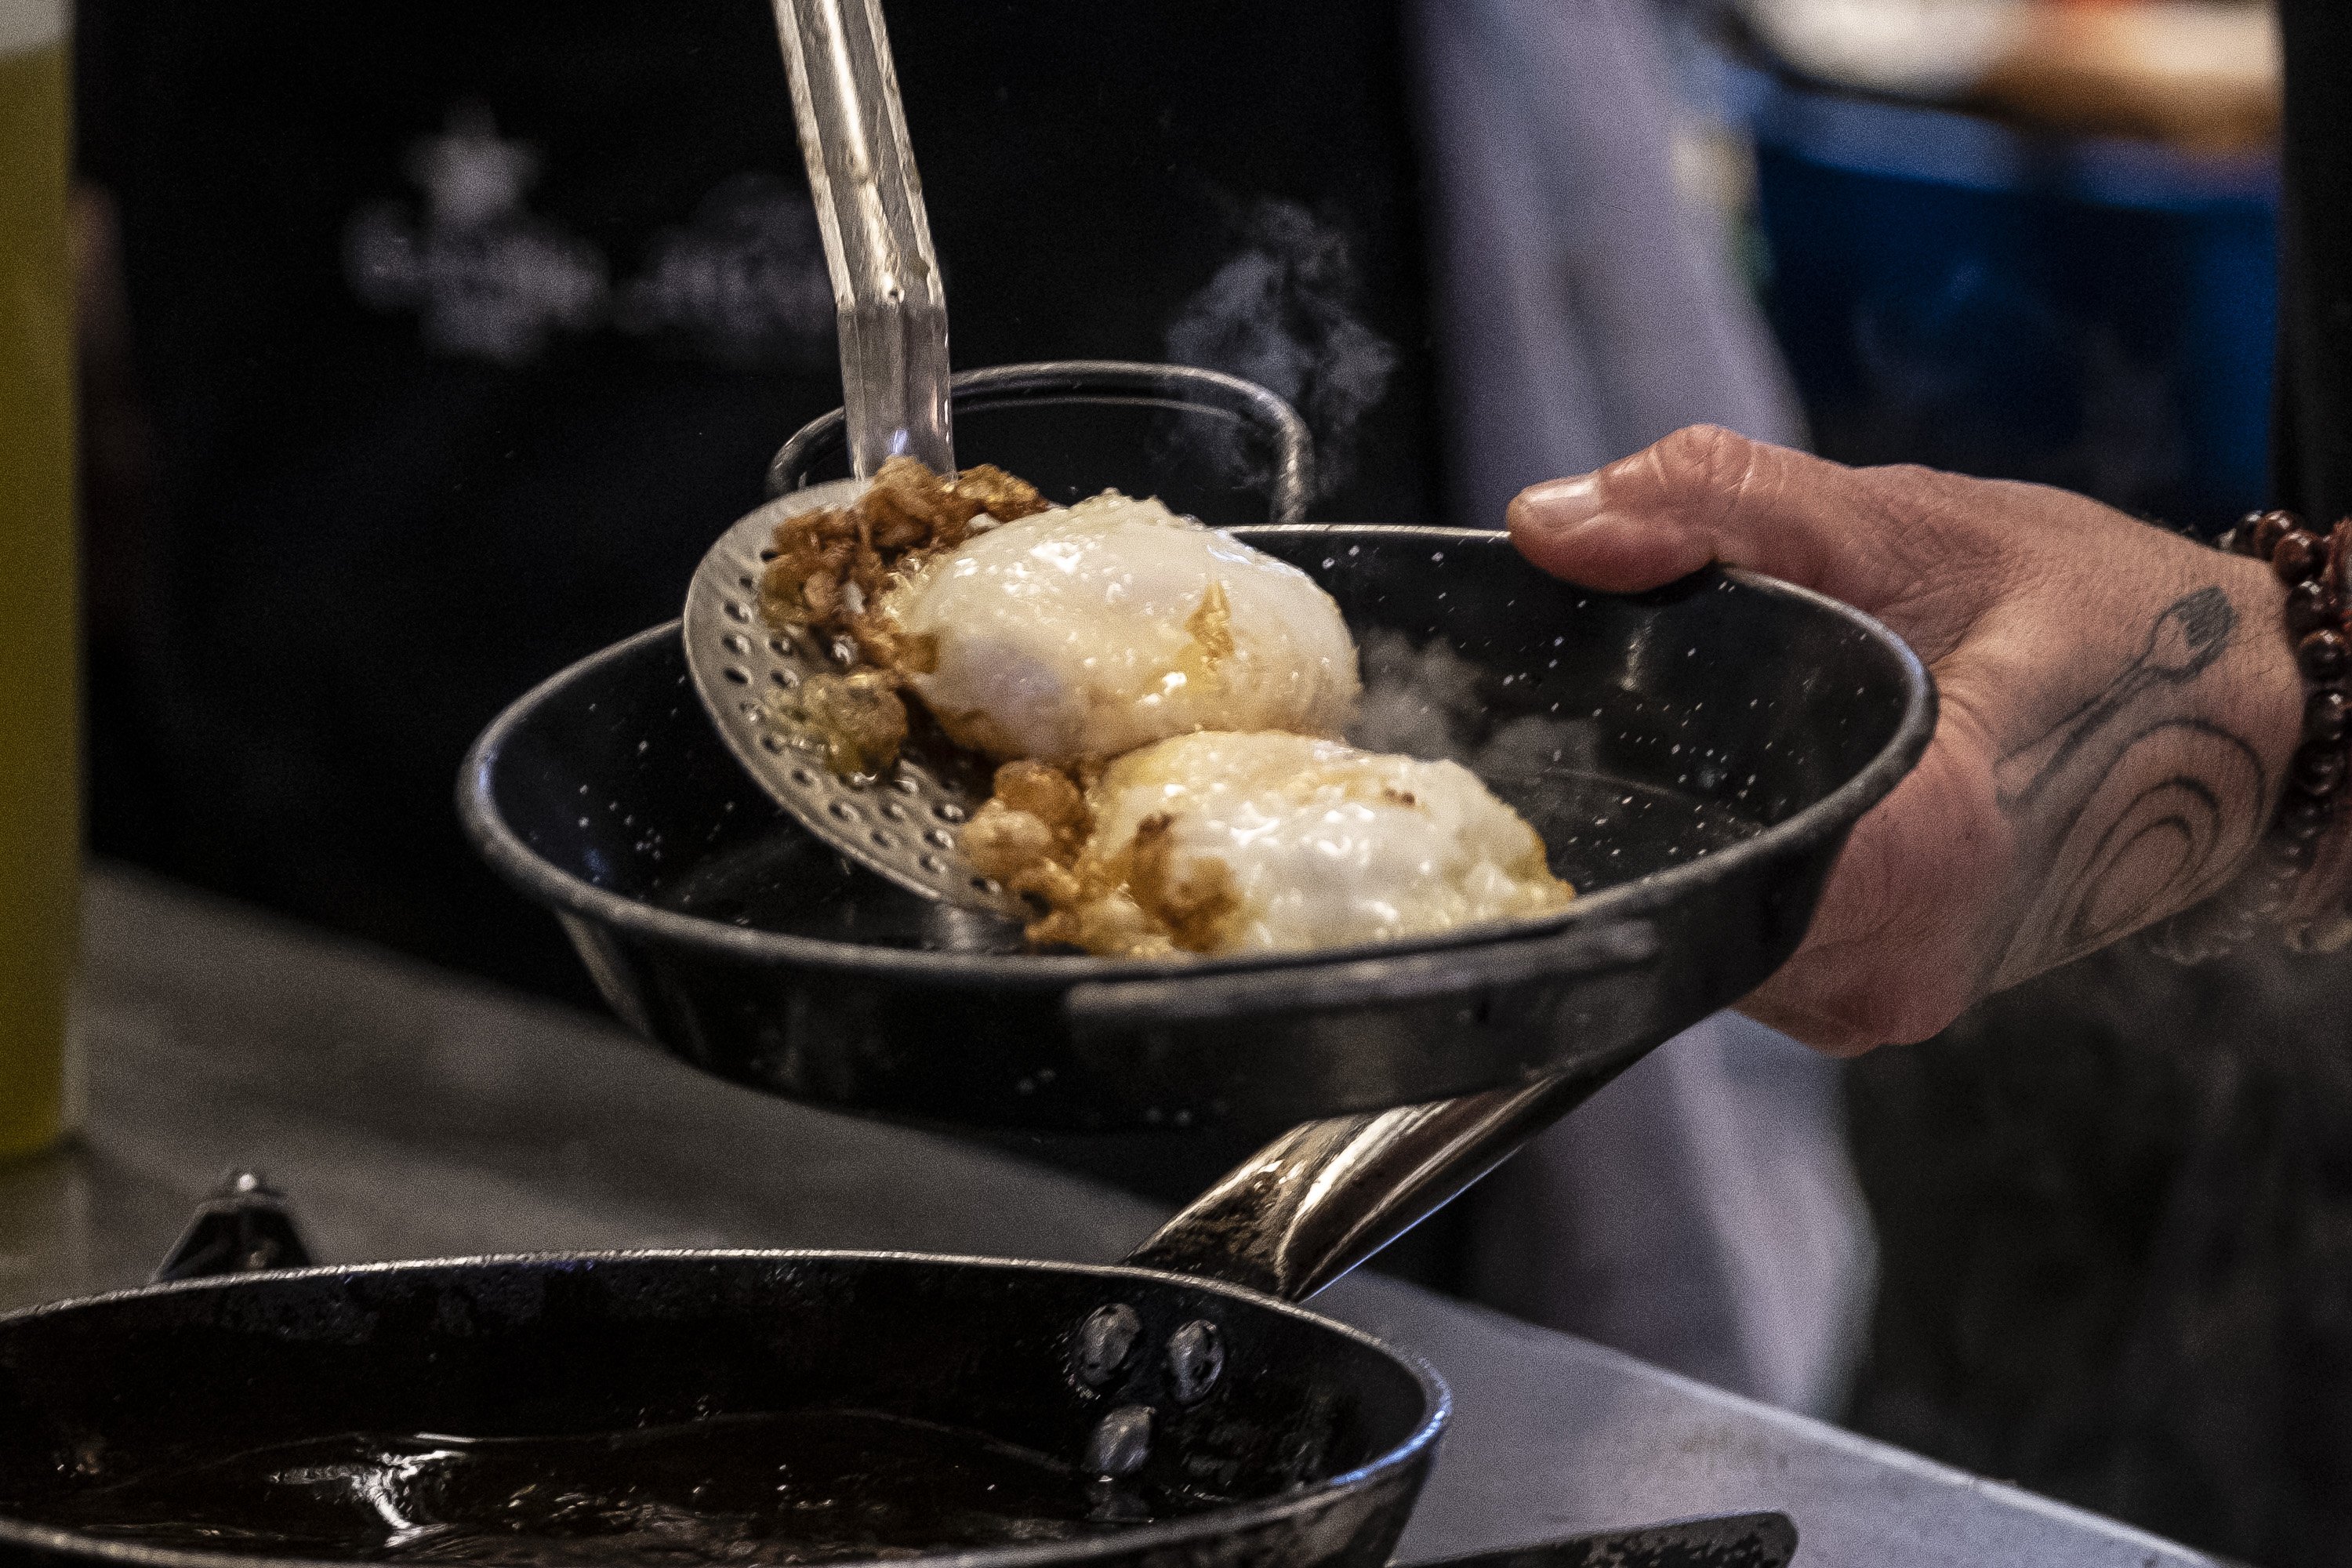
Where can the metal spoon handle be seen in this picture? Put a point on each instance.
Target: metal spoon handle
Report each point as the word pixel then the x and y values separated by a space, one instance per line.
pixel 887 298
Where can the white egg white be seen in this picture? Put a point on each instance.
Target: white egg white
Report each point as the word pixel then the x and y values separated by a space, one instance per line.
pixel 1323 845
pixel 1084 632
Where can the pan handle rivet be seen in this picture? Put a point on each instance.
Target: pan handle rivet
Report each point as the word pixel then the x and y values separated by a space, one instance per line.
pixel 1196 1358
pixel 1119 1443
pixel 1105 1342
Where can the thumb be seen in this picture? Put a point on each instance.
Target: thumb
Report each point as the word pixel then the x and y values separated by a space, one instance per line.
pixel 1702 495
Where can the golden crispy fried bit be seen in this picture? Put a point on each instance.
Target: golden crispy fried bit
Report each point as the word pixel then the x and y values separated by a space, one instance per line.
pixel 1035 818
pixel 829 568
pixel 1212 624
pixel 1116 926
pixel 828 571
pixel 1194 905
pixel 1005 844
pixel 1048 794
pixel 1032 837
pixel 1003 497
pixel 860 716
pixel 802 584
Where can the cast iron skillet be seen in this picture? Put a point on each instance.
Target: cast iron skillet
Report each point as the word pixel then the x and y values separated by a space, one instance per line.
pixel 1319 1436
pixel 1695 758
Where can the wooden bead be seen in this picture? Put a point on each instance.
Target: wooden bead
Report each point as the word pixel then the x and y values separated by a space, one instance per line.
pixel 2298 556
pixel 2326 716
pixel 2324 656
pixel 2304 816
pixel 2310 605
pixel 2275 894
pixel 2288 852
pixel 2317 770
pixel 2270 527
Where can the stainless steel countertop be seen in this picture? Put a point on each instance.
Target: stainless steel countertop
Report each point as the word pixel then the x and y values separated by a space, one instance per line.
pixel 410 1112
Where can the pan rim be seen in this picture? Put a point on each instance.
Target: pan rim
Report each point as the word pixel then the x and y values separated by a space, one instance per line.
pixel 525 867
pixel 1416 1447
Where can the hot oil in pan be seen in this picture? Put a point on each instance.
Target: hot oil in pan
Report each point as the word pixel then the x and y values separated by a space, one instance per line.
pixel 809 1486
pixel 1600 832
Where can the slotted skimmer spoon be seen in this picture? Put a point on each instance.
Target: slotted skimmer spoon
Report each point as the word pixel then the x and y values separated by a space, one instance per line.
pixel 905 825
pixel 891 312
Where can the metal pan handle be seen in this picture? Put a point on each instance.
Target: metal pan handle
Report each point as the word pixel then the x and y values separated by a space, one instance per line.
pixel 1324 1196
pixel 1096 1007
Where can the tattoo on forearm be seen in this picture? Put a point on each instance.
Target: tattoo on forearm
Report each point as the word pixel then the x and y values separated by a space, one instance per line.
pixel 2129 809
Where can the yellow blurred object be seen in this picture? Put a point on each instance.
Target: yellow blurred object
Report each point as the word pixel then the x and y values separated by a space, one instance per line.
pixel 2201 75
pixel 40 838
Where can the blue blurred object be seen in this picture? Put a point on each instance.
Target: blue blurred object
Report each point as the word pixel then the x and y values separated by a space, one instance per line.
pixel 2099 315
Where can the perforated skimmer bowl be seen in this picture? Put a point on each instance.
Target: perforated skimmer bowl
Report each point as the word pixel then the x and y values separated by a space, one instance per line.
pixel 906 824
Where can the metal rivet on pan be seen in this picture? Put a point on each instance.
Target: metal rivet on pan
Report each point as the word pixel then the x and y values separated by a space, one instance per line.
pixel 737 642
pixel 1196 1358
pixel 939 838
pixel 1105 1342
pixel 1119 1443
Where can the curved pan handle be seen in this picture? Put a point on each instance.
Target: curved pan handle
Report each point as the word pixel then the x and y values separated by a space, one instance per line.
pixel 1102 1006
pixel 1324 1196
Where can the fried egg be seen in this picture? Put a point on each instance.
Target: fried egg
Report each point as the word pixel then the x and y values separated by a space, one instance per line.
pixel 1083 632
pixel 1218 842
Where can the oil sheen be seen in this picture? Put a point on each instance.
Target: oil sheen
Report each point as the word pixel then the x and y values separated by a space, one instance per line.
pixel 807 1486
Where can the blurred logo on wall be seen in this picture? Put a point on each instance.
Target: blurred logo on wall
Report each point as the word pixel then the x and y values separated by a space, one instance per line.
pixel 742 286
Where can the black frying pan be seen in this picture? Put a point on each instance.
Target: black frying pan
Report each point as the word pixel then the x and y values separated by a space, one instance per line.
pixel 1693 757
pixel 1253 1431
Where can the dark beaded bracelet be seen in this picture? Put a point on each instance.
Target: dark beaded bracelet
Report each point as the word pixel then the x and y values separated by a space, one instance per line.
pixel 2314 567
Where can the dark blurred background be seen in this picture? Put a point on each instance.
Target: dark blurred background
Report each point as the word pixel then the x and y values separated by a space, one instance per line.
pixel 430 344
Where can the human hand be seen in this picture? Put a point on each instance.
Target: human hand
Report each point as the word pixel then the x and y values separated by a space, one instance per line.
pixel 2118 707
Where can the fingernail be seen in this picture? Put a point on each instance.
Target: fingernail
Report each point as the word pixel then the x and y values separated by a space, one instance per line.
pixel 1555 506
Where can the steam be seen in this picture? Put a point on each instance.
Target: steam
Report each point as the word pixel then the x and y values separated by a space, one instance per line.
pixel 1424 701
pixel 1421 700
pixel 1282 313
